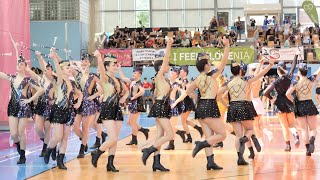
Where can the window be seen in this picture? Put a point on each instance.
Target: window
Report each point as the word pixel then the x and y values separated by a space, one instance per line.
pixel 143 13
pixel 43 10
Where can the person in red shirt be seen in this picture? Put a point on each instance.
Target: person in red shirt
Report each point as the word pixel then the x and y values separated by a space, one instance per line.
pixel 147 93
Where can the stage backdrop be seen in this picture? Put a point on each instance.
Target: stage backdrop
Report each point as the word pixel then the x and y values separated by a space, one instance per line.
pixel 14 20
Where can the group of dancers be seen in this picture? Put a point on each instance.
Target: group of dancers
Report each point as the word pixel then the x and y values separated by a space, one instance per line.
pixel 72 96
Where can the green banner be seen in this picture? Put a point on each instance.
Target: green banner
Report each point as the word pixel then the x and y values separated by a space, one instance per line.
pixel 311 10
pixel 188 56
pixel 317 50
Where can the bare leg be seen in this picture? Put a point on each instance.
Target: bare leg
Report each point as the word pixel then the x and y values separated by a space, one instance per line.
pixel 76 126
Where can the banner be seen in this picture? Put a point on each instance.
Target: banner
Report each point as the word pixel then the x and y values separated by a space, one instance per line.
pixel 15 21
pixel 283 54
pixel 317 50
pixel 188 56
pixel 311 10
pixel 146 54
pixel 124 56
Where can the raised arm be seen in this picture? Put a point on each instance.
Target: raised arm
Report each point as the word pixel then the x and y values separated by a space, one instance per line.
pixel 42 62
pixel 225 57
pixel 256 72
pixel 294 64
pixel 166 59
pixel 101 67
pixel 263 72
pixel 122 76
pixel 4 76
pixel 54 57
pixel 32 74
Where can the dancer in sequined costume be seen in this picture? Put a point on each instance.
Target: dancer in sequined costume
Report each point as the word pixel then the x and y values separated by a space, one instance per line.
pixel 160 110
pixel 86 113
pixel 260 126
pixel 241 112
pixel 63 110
pixel 115 94
pixel 306 111
pixel 284 108
pixel 177 107
pixel 100 136
pixel 45 102
pixel 188 106
pixel 207 112
pixel 19 108
pixel 136 103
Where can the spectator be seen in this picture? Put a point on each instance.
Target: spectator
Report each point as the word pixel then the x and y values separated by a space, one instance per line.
pixel 287 43
pixel 131 43
pixel 187 34
pixel 141 40
pixel 147 93
pixel 214 24
pixel 185 42
pixel 239 27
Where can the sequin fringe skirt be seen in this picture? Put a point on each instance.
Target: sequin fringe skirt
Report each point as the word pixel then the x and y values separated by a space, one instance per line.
pixel 283 105
pixel 97 104
pixel 240 111
pixel 40 108
pixel 207 108
pixel 178 109
pixel 160 109
pixel 61 115
pixel 254 112
pixel 306 108
pixel 18 110
pixel 188 104
pixel 87 108
pixel 136 106
pixel 110 111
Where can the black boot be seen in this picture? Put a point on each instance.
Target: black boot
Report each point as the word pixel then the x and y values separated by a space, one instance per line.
pixel 220 144
pixel 241 161
pixel 86 148
pixel 170 146
pixel 199 130
pixel 243 141
pixel 133 141
pixel 103 137
pixel 288 147
pixel 256 143
pixel 43 152
pixel 110 166
pixel 81 151
pixel 189 139
pixel 157 165
pixel 252 155
pixel 147 152
pixel 54 153
pixel 60 163
pixel 311 146
pixel 199 145
pixel 145 131
pixel 47 155
pixel 95 156
pixel 18 147
pixel 22 158
pixel 182 134
pixel 308 153
pixel 96 144
pixel 211 164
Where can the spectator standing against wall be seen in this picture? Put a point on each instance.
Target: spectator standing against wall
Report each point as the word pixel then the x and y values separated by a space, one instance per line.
pixel 239 27
pixel 147 93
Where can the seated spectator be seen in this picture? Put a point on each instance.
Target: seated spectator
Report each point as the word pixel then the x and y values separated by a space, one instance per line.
pixel 185 42
pixel 131 43
pixel 287 43
pixel 141 39
pixel 149 43
pixel 187 34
